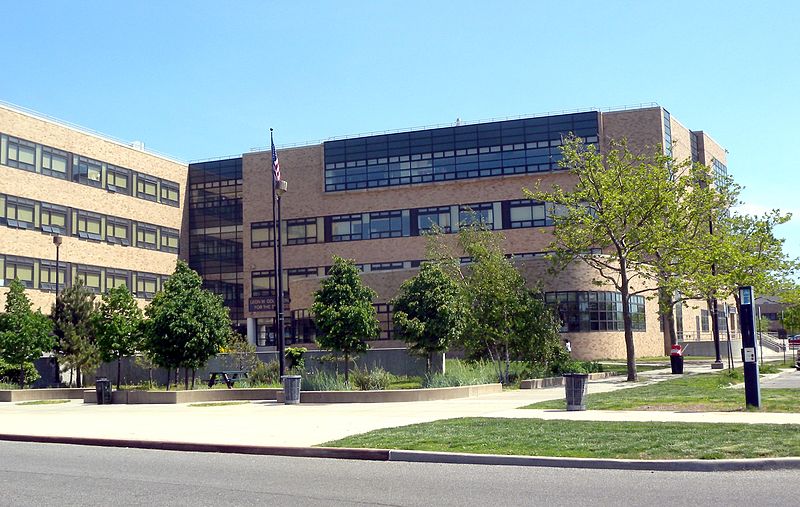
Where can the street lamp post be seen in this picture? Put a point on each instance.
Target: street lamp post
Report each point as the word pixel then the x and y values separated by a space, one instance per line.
pixel 57 242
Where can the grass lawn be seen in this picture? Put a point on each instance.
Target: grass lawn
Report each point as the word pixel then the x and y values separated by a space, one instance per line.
pixel 708 392
pixel 43 402
pixel 586 439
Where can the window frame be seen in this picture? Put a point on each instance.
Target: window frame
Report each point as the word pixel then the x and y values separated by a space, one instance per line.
pixel 83 218
pixel 305 224
pixel 17 203
pixel 15 263
pixel 49 210
pixel 169 185
pixel 113 173
pixel 115 222
pixel 78 176
pixel 48 152
pixel 15 162
pixel 166 234
pixel 269 227
pixel 352 220
pixel 83 272
pixel 141 230
pixel 142 180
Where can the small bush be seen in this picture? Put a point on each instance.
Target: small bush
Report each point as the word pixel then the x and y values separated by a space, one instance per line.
pixel 294 356
pixel 265 373
pixel 321 381
pixel 376 379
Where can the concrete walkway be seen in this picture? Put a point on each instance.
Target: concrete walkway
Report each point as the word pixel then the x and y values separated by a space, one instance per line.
pixel 271 424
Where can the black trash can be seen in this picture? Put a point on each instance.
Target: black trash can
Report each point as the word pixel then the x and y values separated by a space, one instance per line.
pixel 103 388
pixel 676 362
pixel 291 389
pixel 575 385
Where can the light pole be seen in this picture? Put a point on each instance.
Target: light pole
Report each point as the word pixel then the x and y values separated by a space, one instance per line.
pixel 57 242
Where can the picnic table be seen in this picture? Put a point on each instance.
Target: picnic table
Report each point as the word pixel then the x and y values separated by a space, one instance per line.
pixel 230 377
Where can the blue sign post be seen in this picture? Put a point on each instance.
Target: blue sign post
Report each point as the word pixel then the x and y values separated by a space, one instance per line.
pixel 747 323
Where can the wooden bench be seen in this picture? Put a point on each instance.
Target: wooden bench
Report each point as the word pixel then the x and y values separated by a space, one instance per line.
pixel 230 377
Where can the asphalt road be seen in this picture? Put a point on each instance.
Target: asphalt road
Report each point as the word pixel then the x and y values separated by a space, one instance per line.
pixel 52 474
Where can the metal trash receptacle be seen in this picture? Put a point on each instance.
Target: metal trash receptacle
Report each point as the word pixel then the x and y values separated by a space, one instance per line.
pixel 575 386
pixel 103 389
pixel 291 389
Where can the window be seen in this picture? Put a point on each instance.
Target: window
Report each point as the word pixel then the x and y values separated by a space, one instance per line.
pixel 21 269
pixel 527 214
pixel 117 278
pixel 301 231
pixel 19 213
pixel 263 283
pixel 170 240
pixel 146 187
pixel 87 171
pixel 262 234
pixel 90 226
pixel 346 228
pixel 118 180
pixel 430 218
pixel 385 224
pixel 53 219
pixel 118 231
pixel 21 154
pixel 482 213
pixel 54 162
pixel 704 321
pixel 296 273
pixel 146 236
pixel 385 266
pixel 47 275
pixel 384 314
pixel 146 285
pixel 91 277
pixel 170 193
pixel 595 311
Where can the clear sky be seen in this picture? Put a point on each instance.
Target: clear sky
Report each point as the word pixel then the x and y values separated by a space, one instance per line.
pixel 203 79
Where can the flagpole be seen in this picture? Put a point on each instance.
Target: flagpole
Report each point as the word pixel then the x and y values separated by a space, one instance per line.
pixel 277 257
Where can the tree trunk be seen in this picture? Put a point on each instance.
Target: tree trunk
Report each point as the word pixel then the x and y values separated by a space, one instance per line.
pixel 78 377
pixel 428 361
pixel 119 368
pixel 169 377
pixel 177 370
pixel 194 372
pixel 347 368
pixel 665 306
pixel 627 322
pixel 185 379
pixel 22 375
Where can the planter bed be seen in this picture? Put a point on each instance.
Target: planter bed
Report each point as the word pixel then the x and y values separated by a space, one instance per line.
pixel 174 397
pixel 541 383
pixel 57 393
pixel 395 395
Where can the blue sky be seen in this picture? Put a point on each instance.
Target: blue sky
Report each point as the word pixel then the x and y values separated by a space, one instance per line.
pixel 198 79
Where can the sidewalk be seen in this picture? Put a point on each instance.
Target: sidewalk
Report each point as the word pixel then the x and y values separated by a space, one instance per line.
pixel 271 424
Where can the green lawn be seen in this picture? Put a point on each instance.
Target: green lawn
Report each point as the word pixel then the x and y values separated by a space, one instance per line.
pixel 43 402
pixel 696 393
pixel 586 439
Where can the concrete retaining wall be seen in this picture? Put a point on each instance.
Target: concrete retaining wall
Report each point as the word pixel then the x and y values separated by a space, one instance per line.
pixel 11 395
pixel 396 395
pixel 541 383
pixel 174 397
pixel 706 348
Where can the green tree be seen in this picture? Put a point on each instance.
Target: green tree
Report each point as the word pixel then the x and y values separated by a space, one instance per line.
pixel 343 312
pixel 537 330
pixel 186 324
pixel 117 325
pixel 429 312
pixel 239 353
pixel 73 316
pixel 617 206
pixel 24 334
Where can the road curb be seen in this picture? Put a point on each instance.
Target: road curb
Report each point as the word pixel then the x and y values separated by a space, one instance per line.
pixel 300 452
pixel 688 465
pixel 683 465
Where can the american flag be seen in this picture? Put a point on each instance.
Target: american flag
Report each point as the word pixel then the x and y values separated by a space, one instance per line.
pixel 276 166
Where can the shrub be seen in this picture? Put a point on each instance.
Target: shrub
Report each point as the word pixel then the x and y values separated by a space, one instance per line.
pixel 294 356
pixel 265 373
pixel 10 373
pixel 376 379
pixel 322 381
